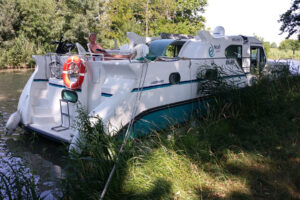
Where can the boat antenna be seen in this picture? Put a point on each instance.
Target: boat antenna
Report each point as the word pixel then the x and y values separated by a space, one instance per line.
pixel 127 134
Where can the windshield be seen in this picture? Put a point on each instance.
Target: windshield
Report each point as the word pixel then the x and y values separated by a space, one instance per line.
pixel 159 47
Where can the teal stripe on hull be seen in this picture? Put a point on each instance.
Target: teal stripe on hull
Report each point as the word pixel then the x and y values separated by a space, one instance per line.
pixel 166 117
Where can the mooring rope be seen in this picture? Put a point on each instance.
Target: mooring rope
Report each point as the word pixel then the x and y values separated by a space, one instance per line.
pixel 127 134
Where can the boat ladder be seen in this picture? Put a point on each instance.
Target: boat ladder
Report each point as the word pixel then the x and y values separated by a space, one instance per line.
pixel 63 115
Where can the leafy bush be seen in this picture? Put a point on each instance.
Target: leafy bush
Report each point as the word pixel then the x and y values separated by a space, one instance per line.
pixel 18 52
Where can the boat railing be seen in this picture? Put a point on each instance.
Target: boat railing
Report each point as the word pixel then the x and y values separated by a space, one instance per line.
pixel 55 62
pixel 246 69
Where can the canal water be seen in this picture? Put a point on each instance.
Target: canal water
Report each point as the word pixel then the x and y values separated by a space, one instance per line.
pixel 39 159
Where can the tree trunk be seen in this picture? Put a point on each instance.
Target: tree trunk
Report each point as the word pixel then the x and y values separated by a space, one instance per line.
pixel 147 18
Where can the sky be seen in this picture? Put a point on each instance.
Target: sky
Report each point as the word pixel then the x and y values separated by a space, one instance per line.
pixel 248 17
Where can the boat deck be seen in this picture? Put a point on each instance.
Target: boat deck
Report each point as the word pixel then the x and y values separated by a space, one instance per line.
pixel 46 131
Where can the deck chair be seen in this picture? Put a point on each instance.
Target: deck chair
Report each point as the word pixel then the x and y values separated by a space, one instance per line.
pixel 81 50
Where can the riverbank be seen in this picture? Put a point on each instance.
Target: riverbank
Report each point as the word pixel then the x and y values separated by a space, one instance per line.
pixel 17 69
pixel 248 147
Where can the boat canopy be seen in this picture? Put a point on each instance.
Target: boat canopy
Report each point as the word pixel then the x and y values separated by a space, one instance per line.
pixel 159 47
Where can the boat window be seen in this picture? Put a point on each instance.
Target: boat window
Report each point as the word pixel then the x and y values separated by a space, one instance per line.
pixel 159 47
pixel 235 52
pixel 258 59
pixel 174 49
pixel 165 47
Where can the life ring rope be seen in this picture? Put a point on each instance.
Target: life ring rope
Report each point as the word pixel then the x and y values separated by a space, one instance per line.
pixel 81 66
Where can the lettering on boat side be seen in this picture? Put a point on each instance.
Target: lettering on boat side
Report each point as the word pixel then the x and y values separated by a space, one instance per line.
pixel 236 39
pixel 157 82
pixel 217 47
pixel 230 62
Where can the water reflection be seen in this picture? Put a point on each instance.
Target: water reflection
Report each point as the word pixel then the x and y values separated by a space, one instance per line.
pixel 43 157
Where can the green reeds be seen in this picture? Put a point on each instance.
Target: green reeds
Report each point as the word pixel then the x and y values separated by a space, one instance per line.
pixel 16 181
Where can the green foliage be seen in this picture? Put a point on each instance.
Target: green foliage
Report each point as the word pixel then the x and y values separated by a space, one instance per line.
pixel 273 45
pixel 9 20
pixel 41 22
pixel 291 20
pixel 150 17
pixel 276 53
pixel 290 44
pixel 19 52
pixel 80 18
pixel 266 44
pixel 38 24
pixel 87 171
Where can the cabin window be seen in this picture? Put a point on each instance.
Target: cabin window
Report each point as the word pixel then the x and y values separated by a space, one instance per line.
pixel 258 59
pixel 235 52
pixel 174 49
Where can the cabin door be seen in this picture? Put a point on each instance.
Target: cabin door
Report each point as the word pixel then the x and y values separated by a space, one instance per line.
pixel 257 59
pixel 235 52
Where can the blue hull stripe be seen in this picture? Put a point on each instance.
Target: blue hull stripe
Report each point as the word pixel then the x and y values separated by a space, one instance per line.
pixel 62 86
pixel 40 80
pixel 164 116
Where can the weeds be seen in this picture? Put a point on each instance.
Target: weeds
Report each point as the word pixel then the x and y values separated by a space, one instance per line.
pixel 16 181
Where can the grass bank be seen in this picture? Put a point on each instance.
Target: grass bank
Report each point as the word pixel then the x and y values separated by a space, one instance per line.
pixel 276 53
pixel 246 148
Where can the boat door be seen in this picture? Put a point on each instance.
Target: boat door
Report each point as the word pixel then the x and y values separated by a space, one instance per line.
pixel 257 59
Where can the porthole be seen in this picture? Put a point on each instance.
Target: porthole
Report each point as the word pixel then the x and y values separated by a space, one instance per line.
pixel 174 78
pixel 69 95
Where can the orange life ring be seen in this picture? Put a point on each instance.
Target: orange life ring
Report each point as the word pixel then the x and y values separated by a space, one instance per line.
pixel 80 64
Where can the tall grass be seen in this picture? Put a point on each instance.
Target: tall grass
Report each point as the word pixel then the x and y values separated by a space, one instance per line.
pixel 247 147
pixel 276 53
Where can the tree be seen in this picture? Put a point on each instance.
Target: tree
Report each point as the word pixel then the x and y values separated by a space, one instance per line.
pixel 151 17
pixel 266 44
pixel 291 20
pixel 180 16
pixel 273 45
pixel 80 18
pixel 9 20
pixel 32 24
pixel 290 44
pixel 120 17
pixel 39 22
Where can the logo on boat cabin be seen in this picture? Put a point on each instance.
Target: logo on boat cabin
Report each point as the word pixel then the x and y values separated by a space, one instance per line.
pixel 211 51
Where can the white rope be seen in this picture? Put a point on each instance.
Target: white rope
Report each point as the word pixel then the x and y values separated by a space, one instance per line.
pixel 127 134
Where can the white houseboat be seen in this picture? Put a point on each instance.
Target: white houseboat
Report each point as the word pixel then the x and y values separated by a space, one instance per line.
pixel 151 91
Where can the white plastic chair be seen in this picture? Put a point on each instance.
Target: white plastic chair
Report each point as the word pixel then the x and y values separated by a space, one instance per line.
pixel 81 50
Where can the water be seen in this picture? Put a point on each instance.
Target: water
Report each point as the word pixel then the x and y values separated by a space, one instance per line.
pixel 41 158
